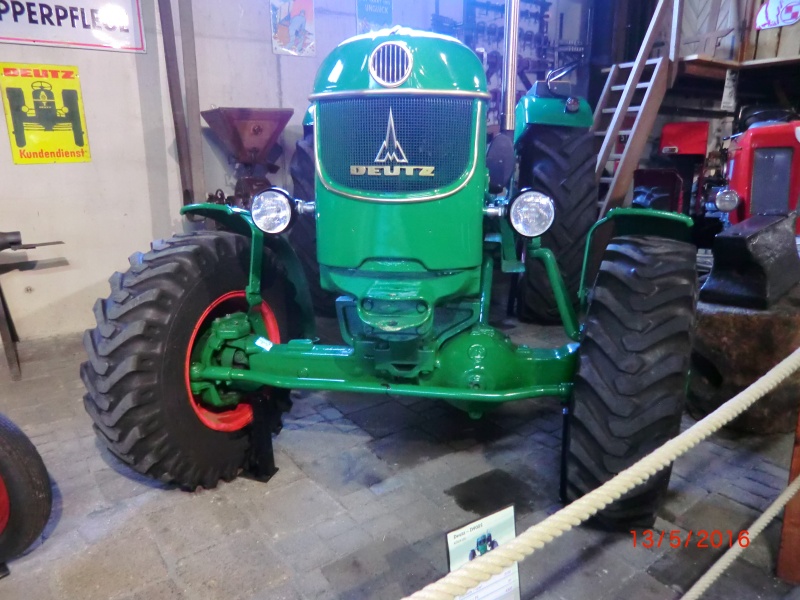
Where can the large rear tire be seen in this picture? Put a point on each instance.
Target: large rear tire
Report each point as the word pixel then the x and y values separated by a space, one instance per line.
pixel 559 162
pixel 630 389
pixel 139 355
pixel 25 495
pixel 303 236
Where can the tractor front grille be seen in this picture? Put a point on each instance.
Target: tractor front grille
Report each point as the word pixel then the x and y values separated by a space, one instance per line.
pixel 395 144
pixel 771 169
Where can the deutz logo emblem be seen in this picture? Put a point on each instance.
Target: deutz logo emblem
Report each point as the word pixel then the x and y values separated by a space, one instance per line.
pixel 392 152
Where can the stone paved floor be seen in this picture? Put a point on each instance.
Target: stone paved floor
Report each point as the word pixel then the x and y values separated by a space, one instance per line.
pixel 367 488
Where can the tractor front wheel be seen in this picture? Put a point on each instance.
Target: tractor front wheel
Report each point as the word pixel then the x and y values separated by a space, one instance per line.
pixel 25 494
pixel 137 375
pixel 630 389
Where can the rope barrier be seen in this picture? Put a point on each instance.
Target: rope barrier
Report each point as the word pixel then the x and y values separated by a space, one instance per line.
pixel 485 567
pixel 710 576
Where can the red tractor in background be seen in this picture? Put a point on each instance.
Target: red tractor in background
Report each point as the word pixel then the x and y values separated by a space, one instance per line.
pixel 759 173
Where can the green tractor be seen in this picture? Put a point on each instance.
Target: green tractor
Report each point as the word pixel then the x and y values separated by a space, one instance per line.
pixel 484 544
pixel 201 339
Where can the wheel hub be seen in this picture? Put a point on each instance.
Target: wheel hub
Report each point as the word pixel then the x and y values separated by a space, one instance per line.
pixel 5 506
pixel 224 321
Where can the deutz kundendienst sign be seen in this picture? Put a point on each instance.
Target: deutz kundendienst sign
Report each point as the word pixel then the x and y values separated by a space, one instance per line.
pixel 98 24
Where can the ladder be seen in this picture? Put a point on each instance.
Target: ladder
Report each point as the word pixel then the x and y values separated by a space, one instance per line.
pixel 629 104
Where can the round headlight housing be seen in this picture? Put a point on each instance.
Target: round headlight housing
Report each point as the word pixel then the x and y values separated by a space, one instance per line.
pixel 273 211
pixel 532 213
pixel 727 200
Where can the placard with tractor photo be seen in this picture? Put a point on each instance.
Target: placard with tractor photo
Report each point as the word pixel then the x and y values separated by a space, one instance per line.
pixel 201 340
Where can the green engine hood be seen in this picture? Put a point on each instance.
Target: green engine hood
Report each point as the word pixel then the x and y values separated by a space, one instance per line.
pixel 440 63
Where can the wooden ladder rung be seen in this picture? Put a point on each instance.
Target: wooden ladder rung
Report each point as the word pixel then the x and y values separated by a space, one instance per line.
pixel 621 132
pixel 628 65
pixel 611 111
pixel 606 179
pixel 614 156
pixel 641 86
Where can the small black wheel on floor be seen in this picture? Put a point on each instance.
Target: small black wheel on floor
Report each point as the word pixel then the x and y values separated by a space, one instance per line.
pixel 137 375
pixel 303 235
pixel 559 162
pixel 634 358
pixel 25 495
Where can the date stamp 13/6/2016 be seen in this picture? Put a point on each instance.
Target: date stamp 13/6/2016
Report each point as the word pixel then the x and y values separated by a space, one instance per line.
pixel 699 539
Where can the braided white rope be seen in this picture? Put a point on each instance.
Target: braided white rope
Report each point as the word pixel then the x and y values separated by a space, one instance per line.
pixel 718 568
pixel 498 560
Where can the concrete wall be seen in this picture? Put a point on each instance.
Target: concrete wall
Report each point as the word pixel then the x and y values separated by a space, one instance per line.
pixel 130 192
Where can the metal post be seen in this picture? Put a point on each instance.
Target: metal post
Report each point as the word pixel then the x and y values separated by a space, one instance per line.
pixel 192 96
pixel 509 91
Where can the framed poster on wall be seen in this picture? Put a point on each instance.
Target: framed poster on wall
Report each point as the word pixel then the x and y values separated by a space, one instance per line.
pixel 293 27
pixel 44 113
pixel 94 24
pixel 373 15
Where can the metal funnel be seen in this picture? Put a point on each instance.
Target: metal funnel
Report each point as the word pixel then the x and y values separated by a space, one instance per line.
pixel 248 133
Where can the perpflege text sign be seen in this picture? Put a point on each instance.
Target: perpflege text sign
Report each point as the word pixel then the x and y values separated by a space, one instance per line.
pixel 100 24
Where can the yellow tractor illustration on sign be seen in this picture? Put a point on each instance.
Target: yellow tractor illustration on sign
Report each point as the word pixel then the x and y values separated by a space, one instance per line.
pixel 44 115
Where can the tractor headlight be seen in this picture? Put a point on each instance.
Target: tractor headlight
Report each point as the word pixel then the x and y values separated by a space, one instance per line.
pixel 273 211
pixel 727 200
pixel 532 213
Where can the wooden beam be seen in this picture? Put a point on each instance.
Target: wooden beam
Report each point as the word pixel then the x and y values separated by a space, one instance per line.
pixel 675 40
pixel 752 33
pixel 789 45
pixel 788 556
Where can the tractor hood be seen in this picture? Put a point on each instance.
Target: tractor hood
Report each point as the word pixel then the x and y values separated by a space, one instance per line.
pixel 437 63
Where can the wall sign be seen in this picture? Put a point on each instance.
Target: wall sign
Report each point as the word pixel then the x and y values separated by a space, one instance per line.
pixel 100 24
pixel 293 27
pixel 372 15
pixel 44 113
pixel 778 13
pixel 478 538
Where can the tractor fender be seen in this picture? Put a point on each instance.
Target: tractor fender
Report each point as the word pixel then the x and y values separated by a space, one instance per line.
pixel 239 221
pixel 639 221
pixel 532 110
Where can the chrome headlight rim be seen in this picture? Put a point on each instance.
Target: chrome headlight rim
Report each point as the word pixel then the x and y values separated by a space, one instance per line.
pixel 288 213
pixel 532 198
pixel 727 200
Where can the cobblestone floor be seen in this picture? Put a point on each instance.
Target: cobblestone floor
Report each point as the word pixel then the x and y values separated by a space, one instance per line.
pixel 368 486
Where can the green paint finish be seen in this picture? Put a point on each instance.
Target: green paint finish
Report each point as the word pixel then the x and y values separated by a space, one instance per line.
pixel 549 111
pixel 239 221
pixel 439 63
pixel 636 221
pixel 480 365
pixel 565 309
pixel 309 118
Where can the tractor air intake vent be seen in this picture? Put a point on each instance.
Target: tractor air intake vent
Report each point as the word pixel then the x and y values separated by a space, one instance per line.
pixel 390 64
pixel 377 145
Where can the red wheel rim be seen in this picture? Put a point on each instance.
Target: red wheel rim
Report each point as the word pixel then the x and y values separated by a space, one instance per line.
pixel 5 505
pixel 227 420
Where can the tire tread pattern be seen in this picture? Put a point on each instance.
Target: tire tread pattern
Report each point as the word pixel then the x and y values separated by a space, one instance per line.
pixel 560 162
pixel 125 353
pixel 634 361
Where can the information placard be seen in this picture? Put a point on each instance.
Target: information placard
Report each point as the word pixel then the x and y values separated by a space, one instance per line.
pixel 478 538
pixel 98 24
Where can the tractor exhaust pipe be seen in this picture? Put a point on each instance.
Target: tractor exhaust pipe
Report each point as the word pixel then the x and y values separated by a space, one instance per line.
pixel 509 90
